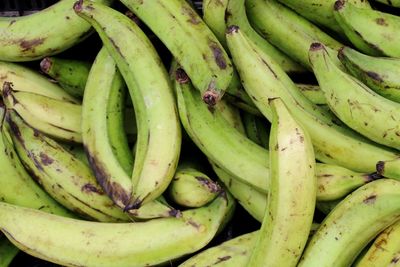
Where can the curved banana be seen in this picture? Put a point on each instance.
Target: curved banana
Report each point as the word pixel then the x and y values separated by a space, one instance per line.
pixel 353 223
pixel 354 103
pixel 159 134
pixel 109 244
pixel 384 251
pixel 47 32
pixel 378 73
pixel 27 80
pixel 333 144
pixel 190 41
pixel 335 182
pixel 214 17
pixel 394 3
pixel 371 31
pixel 321 11
pixel 291 199
pixel 284 28
pixel 61 175
pixel 7 251
pixel 257 129
pixel 70 74
pixel 313 93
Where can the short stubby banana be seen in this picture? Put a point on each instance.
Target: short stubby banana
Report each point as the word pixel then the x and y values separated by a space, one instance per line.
pixel 371 31
pixel 159 135
pixel 378 73
pixel 355 221
pixel 354 103
pixel 47 32
pixel 190 41
pixel 89 244
pixel 291 198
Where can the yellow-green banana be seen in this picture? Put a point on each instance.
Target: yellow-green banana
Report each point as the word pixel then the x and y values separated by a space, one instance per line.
pixel 231 114
pixel 159 134
pixel 190 41
pixel 389 168
pixel 371 31
pixel 354 103
pixel 313 93
pixel 214 17
pixel 333 144
pixel 378 73
pixel 47 32
pixel 86 243
pixel 291 198
pixel 355 221
pixel 7 251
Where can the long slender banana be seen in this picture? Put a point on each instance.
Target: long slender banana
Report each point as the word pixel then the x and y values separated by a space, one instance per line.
pixel 354 103
pixel 384 251
pixel 159 134
pixel 335 182
pixel 257 129
pixel 378 73
pixel 321 12
pixel 61 175
pixel 110 244
pixel 190 41
pixel 263 79
pixel 291 199
pixel 46 114
pixel 214 17
pixel 286 29
pixel 43 33
pixel 7 251
pixel 70 74
pixel 353 223
pixel 231 114
pixel 28 80
pixel 394 3
pixel 313 93
pixel 371 31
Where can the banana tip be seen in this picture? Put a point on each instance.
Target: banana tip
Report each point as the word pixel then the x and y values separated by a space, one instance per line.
pixel 7 89
pixel 181 77
pixel 232 29
pixel 211 97
pixel 338 5
pixel 45 65
pixel 380 167
pixel 78 5
pixel 316 46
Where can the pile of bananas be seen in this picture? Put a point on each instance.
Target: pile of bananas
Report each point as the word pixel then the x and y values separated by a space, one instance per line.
pixel 138 159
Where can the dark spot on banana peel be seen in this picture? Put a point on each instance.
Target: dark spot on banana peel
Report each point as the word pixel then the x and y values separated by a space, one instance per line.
pixel 27 45
pixel 133 204
pixel 232 29
pixel 338 5
pixel 78 6
pixel 269 67
pixel 380 167
pixel 211 97
pixel 381 21
pixel 221 259
pixel 45 159
pixel 116 46
pixel 194 224
pixel 370 199
pixel 218 55
pixel 88 188
pixel 193 17
pixel 395 259
pixel 372 177
pixel 375 76
pixel 45 65
pixel 175 213
pixel 14 129
pixel 181 77
pixel 212 186
pixel 316 46
pixel 7 91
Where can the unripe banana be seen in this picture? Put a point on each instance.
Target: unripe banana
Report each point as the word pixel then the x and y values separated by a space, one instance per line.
pixel 231 114
pixel 257 129
pixel 292 194
pixel 353 223
pixel 378 73
pixel 89 244
pixel 70 74
pixel 7 251
pixel 371 31
pixel 327 206
pixel 159 134
pixel 47 32
pixel 214 17
pixel 313 93
pixel 389 168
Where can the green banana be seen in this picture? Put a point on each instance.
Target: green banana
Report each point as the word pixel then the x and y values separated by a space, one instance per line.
pixel 389 168
pixel 214 17
pixel 287 30
pixel 312 93
pixel 181 29
pixel 192 188
pixel 235 90
pixel 372 32
pixel 321 12
pixel 159 134
pixel 257 129
pixel 70 74
pixel 47 114
pixel 61 175
pixel 378 73
pixel 291 199
pixel 109 244
pixel 327 206
pixel 354 103
pixel 333 144
pixel 355 221
pixel 394 3
pixel 236 14
pixel 234 252
pixel 384 251
pixel 231 114
pixel 27 80
pixel 335 182
pixel 44 33
pixel 7 251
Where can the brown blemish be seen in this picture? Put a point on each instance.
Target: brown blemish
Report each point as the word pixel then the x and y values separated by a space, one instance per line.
pixel 370 199
pixel 395 259
pixel 181 77
pixel 316 46
pixel 175 213
pixel 27 45
pixel 78 6
pixel 375 76
pixel 232 29
pixel 213 187
pixel 338 5
pixel 12 22
pixel 193 17
pixel 45 159
pixel 218 55
pixel 380 167
pixel 45 65
pixel 89 188
pixel 381 21
pixel 221 259
pixel 211 97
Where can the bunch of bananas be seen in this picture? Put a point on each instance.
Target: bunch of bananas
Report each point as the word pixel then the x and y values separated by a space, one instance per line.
pixel 290 109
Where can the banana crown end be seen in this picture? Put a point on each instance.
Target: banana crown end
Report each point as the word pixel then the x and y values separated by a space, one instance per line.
pixel 339 5
pixel 232 29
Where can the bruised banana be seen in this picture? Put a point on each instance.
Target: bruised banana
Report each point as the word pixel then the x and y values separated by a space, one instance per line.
pixel 333 144
pixel 110 244
pixel 190 41
pixel 47 32
pixel 378 73
pixel 291 198
pixel 372 32
pixel 354 103
pixel 355 221
pixel 7 251
pixel 159 134
pixel 61 175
